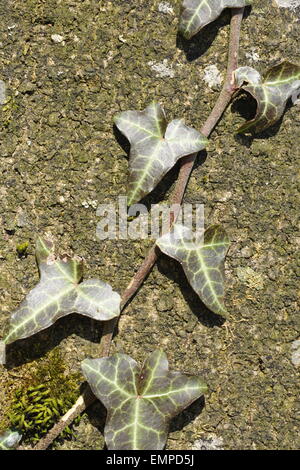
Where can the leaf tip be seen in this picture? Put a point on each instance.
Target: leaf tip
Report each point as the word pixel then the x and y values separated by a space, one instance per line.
pixel 185 32
pixel 223 312
pixel 132 198
pixel 203 387
pixel 116 118
pixel 204 140
pixel 84 364
pixel 154 103
pixel 44 246
pixel 246 128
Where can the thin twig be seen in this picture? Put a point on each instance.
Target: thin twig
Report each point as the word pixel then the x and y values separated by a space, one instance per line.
pixel 87 398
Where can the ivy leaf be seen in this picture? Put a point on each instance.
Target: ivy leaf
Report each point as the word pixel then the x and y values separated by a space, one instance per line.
pixel 198 13
pixel 9 440
pixel 155 147
pixel 271 91
pixel 140 403
pixel 59 293
pixel 202 262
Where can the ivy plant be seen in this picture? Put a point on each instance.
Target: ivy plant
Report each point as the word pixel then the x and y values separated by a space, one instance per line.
pixel 271 91
pixel 155 146
pixel 140 402
pixel 203 262
pixel 60 292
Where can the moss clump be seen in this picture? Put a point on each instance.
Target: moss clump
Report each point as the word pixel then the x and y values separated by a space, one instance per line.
pixel 22 249
pixel 37 407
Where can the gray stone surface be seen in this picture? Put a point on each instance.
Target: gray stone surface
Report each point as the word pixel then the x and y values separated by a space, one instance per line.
pixel 59 151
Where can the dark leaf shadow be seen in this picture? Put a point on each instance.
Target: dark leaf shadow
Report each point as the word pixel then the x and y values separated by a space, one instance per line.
pixel 199 44
pixel 122 140
pixel 97 415
pixel 29 349
pixel 188 415
pixel 173 271
pixel 245 105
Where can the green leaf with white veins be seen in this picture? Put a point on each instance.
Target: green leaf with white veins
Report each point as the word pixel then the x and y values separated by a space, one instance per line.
pixel 202 261
pixel 271 91
pixel 198 13
pixel 155 147
pixel 140 402
pixel 9 440
pixel 59 293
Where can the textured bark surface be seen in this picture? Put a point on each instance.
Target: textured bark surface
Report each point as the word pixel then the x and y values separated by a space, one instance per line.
pixel 67 69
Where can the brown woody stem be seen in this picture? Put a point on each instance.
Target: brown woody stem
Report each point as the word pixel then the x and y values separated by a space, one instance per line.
pixel 187 163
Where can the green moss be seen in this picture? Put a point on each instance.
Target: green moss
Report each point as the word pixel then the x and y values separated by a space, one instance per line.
pixel 35 408
pixel 22 249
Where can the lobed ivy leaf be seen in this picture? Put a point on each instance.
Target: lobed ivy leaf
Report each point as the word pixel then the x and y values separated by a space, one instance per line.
pixel 203 262
pixel 155 147
pixel 9 440
pixel 59 293
pixel 271 91
pixel 140 402
pixel 198 13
